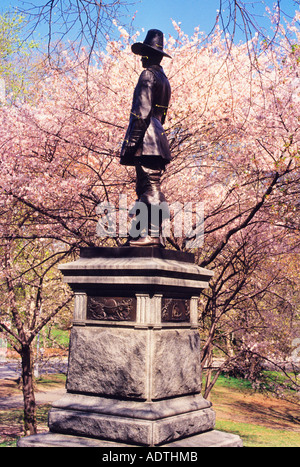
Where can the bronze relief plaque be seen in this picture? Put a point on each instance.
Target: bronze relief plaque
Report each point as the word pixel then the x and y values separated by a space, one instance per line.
pixel 175 309
pixel 111 309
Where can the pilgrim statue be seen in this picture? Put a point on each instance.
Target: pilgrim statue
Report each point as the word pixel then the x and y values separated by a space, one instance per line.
pixel 146 146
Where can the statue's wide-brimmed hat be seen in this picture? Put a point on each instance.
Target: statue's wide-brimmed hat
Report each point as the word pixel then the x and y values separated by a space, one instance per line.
pixel 154 42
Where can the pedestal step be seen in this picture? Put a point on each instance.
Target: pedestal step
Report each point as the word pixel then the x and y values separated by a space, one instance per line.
pixel 142 423
pixel 213 438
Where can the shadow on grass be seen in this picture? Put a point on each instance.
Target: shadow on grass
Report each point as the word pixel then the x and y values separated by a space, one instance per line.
pixel 11 424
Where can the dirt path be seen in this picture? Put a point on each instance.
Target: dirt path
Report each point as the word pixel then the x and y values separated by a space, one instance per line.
pixel 11 396
pixel 41 397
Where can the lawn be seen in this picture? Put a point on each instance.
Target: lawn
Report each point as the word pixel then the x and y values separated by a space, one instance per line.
pixel 260 436
pixel 261 420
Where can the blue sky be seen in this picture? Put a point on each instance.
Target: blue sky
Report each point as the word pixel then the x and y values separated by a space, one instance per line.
pixel 194 13
pixel 191 13
pixel 154 13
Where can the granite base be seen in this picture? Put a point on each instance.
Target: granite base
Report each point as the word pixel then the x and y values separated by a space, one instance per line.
pixel 212 438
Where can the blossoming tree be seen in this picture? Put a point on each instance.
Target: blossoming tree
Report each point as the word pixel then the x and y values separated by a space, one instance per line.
pixel 233 130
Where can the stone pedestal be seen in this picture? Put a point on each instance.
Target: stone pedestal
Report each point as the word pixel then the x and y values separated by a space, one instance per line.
pixel 134 360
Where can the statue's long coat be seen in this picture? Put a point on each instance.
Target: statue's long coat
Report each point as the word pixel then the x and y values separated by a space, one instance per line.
pixel 145 135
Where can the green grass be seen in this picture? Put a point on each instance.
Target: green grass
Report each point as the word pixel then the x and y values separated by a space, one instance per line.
pixel 260 436
pixel 60 336
pixel 51 380
pixel 11 421
pixel 234 383
pixel 260 420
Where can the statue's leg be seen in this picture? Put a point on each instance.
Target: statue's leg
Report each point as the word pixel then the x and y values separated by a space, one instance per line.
pixel 149 193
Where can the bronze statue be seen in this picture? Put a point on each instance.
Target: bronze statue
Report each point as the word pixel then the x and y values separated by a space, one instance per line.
pixel 146 146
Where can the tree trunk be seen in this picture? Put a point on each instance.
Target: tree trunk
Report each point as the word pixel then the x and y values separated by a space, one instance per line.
pixel 30 427
pixel 208 374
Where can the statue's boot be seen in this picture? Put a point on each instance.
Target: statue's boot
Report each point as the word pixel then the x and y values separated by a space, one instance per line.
pixel 146 241
pixel 153 238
